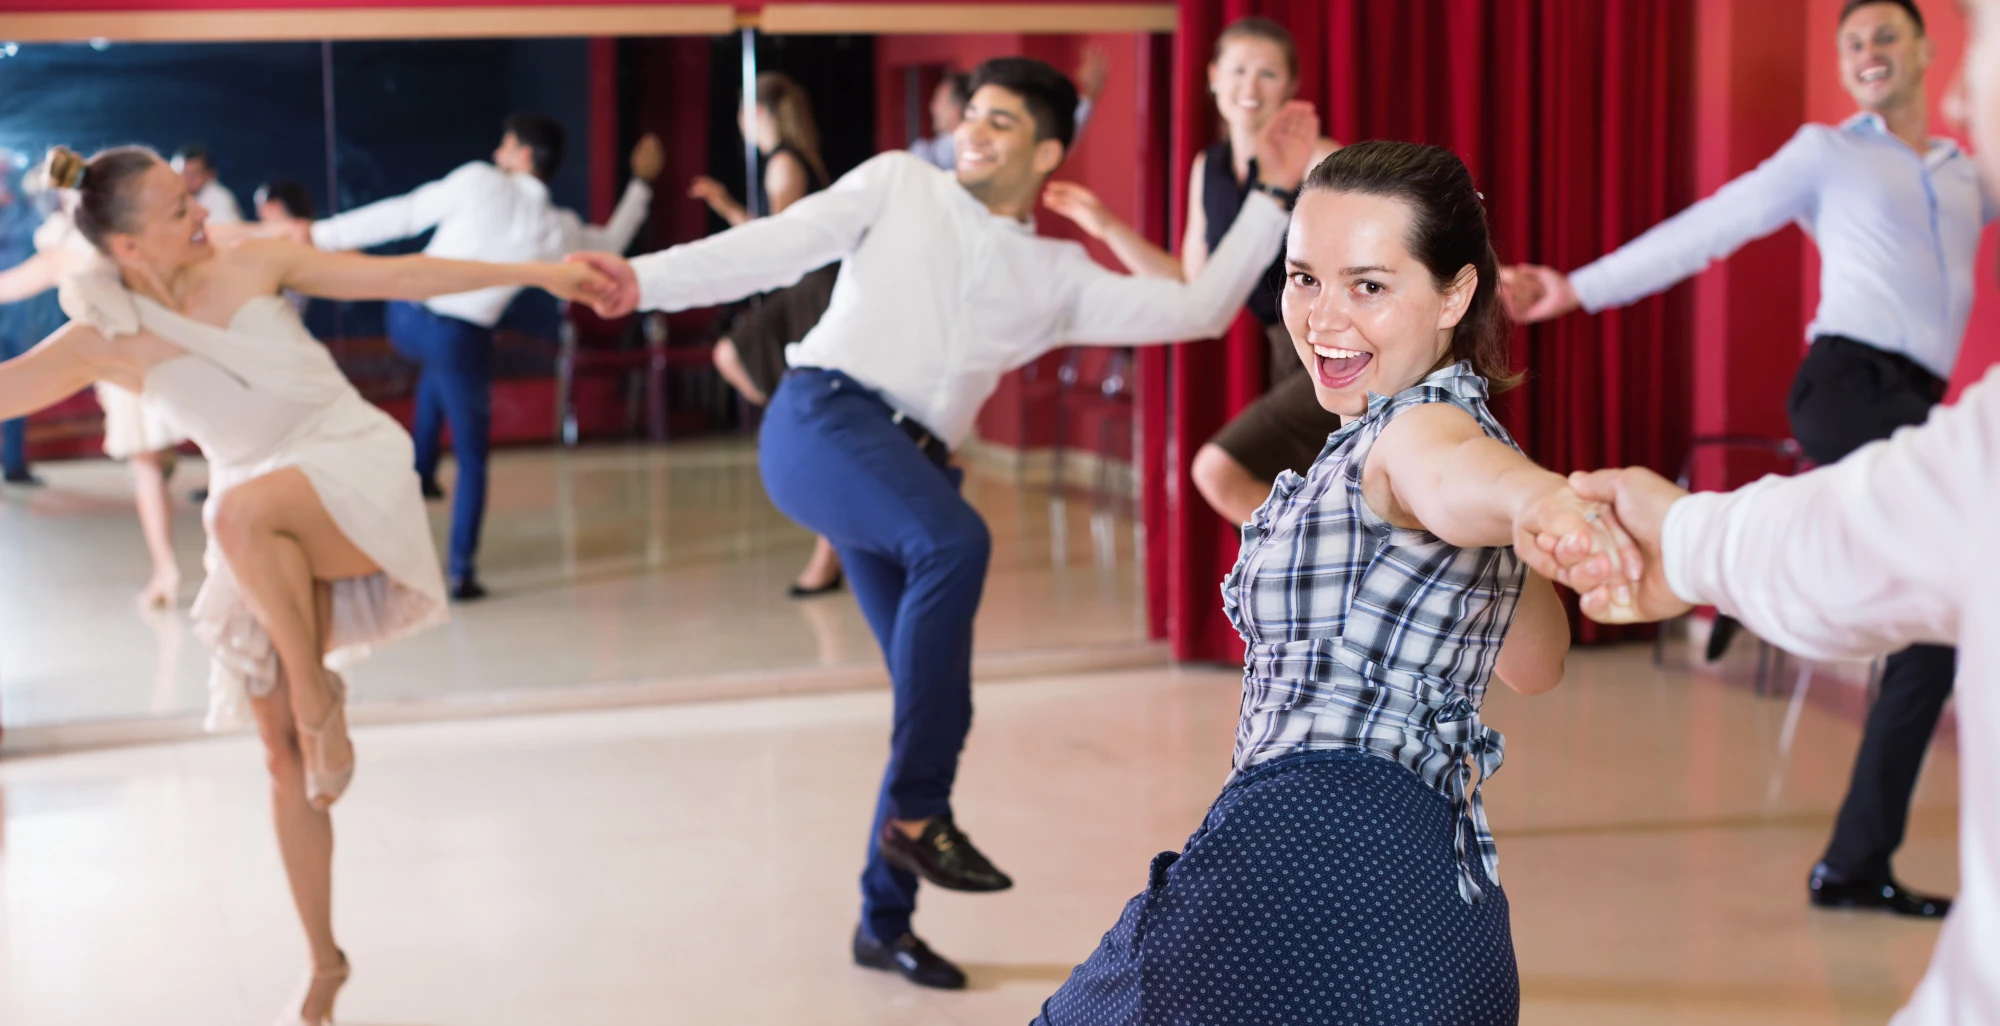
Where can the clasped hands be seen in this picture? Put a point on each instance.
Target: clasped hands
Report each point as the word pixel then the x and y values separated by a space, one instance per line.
pixel 1600 535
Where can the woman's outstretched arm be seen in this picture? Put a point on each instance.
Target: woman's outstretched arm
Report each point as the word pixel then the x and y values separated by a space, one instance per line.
pixel 30 277
pixel 47 374
pixel 349 275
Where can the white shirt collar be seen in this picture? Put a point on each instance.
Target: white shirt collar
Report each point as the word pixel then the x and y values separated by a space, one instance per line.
pixel 530 186
pixel 1942 148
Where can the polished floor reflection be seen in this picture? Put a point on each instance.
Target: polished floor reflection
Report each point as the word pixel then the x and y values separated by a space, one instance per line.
pixel 651 573
pixel 696 863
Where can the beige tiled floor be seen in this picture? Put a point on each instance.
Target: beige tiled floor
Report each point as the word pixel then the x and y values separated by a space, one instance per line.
pixel 620 566
pixel 696 863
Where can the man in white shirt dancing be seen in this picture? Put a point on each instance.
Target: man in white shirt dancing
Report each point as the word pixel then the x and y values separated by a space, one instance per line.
pixel 498 212
pixel 1897 216
pixel 1896 544
pixel 944 287
pixel 197 168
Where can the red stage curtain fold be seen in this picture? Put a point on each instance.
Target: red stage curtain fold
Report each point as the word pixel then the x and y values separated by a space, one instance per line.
pixel 1575 119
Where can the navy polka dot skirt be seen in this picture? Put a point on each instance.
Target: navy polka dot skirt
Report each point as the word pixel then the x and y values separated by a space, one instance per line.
pixel 1321 888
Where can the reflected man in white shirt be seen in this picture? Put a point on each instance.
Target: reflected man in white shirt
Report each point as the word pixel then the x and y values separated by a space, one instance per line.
pixel 498 212
pixel 1897 216
pixel 943 288
pixel 197 168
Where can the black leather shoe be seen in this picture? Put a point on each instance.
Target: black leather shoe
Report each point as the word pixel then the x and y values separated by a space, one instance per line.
pixel 799 591
pixel 24 479
pixel 943 855
pixel 1720 635
pixel 1880 895
pixel 199 496
pixel 467 589
pixel 432 492
pixel 909 956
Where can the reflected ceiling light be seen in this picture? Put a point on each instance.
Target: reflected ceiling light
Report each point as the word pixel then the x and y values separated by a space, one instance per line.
pixel 100 44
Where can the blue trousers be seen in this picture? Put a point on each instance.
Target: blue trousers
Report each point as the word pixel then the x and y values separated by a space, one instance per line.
pixel 455 386
pixel 915 553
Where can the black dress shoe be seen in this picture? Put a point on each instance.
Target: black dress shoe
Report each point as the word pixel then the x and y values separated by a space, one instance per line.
pixel 467 589
pixel 24 479
pixel 431 491
pixel 1720 635
pixel 1883 895
pixel 199 496
pixel 909 956
pixel 943 855
pixel 800 591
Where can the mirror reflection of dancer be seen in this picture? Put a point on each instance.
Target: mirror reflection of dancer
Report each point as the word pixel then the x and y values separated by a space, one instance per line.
pixel 1897 217
pixel 499 211
pixel 944 287
pixel 752 356
pixel 197 168
pixel 319 547
pixel 954 91
pixel 1254 73
pixel 1347 864
pixel 21 322
pixel 134 430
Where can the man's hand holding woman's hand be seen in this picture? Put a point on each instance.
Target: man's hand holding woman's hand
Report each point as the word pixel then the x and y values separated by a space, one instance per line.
pixel 1632 505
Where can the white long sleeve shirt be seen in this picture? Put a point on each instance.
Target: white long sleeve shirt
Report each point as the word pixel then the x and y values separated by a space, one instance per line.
pixel 938 297
pixel 1897 544
pixel 1898 236
pixel 220 204
pixel 483 213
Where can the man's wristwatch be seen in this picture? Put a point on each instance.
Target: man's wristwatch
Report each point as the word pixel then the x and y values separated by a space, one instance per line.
pixel 1287 198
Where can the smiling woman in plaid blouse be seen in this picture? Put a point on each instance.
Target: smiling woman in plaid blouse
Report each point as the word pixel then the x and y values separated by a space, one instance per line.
pixel 1346 874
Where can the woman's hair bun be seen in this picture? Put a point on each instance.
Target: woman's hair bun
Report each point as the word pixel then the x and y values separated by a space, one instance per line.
pixel 66 168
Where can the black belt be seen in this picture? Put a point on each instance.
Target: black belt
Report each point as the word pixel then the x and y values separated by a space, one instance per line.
pixel 933 447
pixel 1920 376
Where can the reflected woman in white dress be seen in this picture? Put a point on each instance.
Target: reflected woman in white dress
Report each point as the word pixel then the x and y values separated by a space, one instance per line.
pixel 133 432
pixel 318 543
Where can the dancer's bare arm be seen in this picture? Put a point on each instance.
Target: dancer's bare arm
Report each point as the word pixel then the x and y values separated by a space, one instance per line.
pixel 30 277
pixel 1531 658
pixel 1138 253
pixel 315 272
pixel 1117 309
pixel 49 373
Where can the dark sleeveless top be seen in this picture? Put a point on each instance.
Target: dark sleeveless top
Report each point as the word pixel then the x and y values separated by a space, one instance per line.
pixel 1221 197
pixel 814 180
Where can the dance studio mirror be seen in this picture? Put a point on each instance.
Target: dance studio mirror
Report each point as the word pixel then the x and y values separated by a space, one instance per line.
pixel 629 548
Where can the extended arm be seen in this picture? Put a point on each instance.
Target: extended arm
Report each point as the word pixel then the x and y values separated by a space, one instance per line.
pixel 30 277
pixel 1777 192
pixel 1117 309
pixel 398 217
pixel 358 276
pixel 45 375
pixel 1132 249
pixel 770 252
pixel 615 235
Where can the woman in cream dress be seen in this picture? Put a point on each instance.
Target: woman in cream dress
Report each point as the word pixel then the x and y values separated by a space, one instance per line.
pixel 319 547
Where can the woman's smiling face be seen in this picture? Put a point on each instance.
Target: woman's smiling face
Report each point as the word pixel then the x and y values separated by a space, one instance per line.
pixel 1364 314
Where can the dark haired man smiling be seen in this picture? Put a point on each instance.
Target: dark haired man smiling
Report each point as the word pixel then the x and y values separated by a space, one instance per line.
pixel 944 287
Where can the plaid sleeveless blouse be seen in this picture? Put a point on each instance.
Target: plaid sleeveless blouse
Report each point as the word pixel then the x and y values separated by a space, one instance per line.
pixel 1370 636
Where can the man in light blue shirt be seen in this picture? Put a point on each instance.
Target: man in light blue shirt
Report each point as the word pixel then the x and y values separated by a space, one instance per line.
pixel 1897 216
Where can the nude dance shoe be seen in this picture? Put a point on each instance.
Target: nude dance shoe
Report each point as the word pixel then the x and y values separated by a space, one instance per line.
pixel 325 783
pixel 337 976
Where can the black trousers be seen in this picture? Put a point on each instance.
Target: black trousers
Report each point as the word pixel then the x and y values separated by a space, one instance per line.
pixel 1846 395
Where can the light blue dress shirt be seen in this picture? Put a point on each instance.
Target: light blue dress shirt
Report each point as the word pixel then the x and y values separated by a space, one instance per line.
pixel 1898 236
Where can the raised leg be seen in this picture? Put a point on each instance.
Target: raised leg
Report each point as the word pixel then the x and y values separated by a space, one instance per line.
pixel 279 541
pixel 150 473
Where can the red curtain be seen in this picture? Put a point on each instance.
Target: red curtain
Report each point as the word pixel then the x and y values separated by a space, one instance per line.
pixel 1576 120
